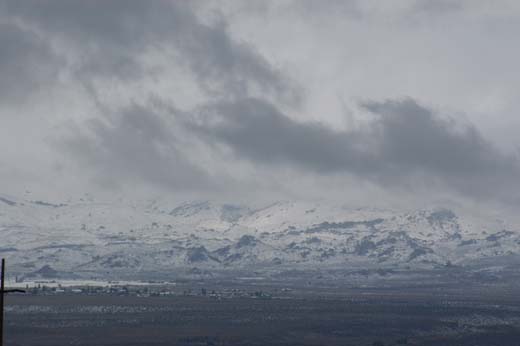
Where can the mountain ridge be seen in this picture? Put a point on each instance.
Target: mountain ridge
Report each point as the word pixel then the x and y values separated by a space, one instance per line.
pixel 121 237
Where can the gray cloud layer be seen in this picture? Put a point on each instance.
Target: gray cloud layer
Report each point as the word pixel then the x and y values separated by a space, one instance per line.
pixel 122 40
pixel 111 37
pixel 134 145
pixel 405 141
pixel 26 64
pixel 243 103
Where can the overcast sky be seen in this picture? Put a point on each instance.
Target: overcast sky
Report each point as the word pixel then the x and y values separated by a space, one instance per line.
pixel 363 101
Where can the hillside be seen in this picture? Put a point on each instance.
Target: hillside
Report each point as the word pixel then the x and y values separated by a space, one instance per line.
pixel 88 237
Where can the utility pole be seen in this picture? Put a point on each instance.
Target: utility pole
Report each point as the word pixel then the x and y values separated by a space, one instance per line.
pixel 3 291
pixel 2 305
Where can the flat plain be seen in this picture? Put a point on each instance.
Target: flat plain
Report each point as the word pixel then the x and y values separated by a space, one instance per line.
pixel 362 316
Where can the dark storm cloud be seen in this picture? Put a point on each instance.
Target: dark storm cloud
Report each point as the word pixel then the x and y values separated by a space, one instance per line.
pixel 137 145
pixel 111 37
pixel 26 64
pixel 256 130
pixel 406 140
pixel 413 137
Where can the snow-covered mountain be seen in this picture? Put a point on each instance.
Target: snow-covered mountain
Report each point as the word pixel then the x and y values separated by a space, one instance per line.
pixel 105 238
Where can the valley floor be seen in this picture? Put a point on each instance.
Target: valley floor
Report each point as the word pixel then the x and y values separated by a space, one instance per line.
pixel 364 316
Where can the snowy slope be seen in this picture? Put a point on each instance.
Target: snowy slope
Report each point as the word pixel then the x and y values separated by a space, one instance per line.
pixel 90 237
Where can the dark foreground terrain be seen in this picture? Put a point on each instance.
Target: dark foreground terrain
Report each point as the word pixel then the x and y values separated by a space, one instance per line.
pixel 351 317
